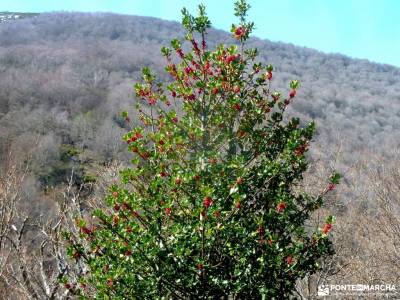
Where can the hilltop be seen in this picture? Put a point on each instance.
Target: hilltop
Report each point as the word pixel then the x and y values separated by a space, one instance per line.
pixel 10 16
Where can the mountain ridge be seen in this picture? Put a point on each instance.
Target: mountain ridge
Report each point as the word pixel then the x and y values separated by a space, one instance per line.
pixel 30 14
pixel 7 16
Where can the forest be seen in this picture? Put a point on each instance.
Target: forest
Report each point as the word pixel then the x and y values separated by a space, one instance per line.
pixel 66 77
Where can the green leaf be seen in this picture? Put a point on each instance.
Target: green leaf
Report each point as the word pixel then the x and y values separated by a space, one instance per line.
pixel 176 44
pixel 294 84
pixel 330 219
pixel 335 178
pixel 166 51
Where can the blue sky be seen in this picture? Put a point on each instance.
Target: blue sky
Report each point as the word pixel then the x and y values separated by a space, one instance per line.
pixel 358 28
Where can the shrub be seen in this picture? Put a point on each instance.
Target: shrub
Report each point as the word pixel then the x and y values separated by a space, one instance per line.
pixel 209 206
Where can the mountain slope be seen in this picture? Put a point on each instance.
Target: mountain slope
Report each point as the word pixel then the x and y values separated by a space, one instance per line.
pixel 65 76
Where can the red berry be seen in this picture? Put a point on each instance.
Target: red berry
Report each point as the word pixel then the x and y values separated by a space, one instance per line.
pixel 239 32
pixel 237 106
pixel 178 181
pixel 241 133
pixel 292 93
pixel 217 214
pixel 145 155
pixel 175 120
pixel 173 94
pixel 300 149
pixel 168 211
pixel 236 89
pixel 327 228
pixel 230 58
pixel 280 207
pixel 275 96
pixel 261 231
pixel 289 260
pixel 194 43
pixel 238 205
pixel 86 230
pixel 115 219
pixel 188 70
pixel 331 186
pixel 152 101
pixel 268 75
pixel 191 97
pixel 215 91
pixel 125 206
pixel 116 207
pixel 207 202
pixel 135 137
pixel 109 282
pixel 180 52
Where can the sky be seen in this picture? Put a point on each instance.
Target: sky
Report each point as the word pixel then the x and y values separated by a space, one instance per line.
pixel 358 28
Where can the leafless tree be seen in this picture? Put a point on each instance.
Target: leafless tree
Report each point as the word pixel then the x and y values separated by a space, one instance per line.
pixel 33 258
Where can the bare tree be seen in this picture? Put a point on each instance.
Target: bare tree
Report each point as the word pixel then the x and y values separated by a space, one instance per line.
pixel 33 258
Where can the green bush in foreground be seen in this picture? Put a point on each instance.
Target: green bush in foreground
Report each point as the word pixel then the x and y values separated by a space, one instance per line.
pixel 207 208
